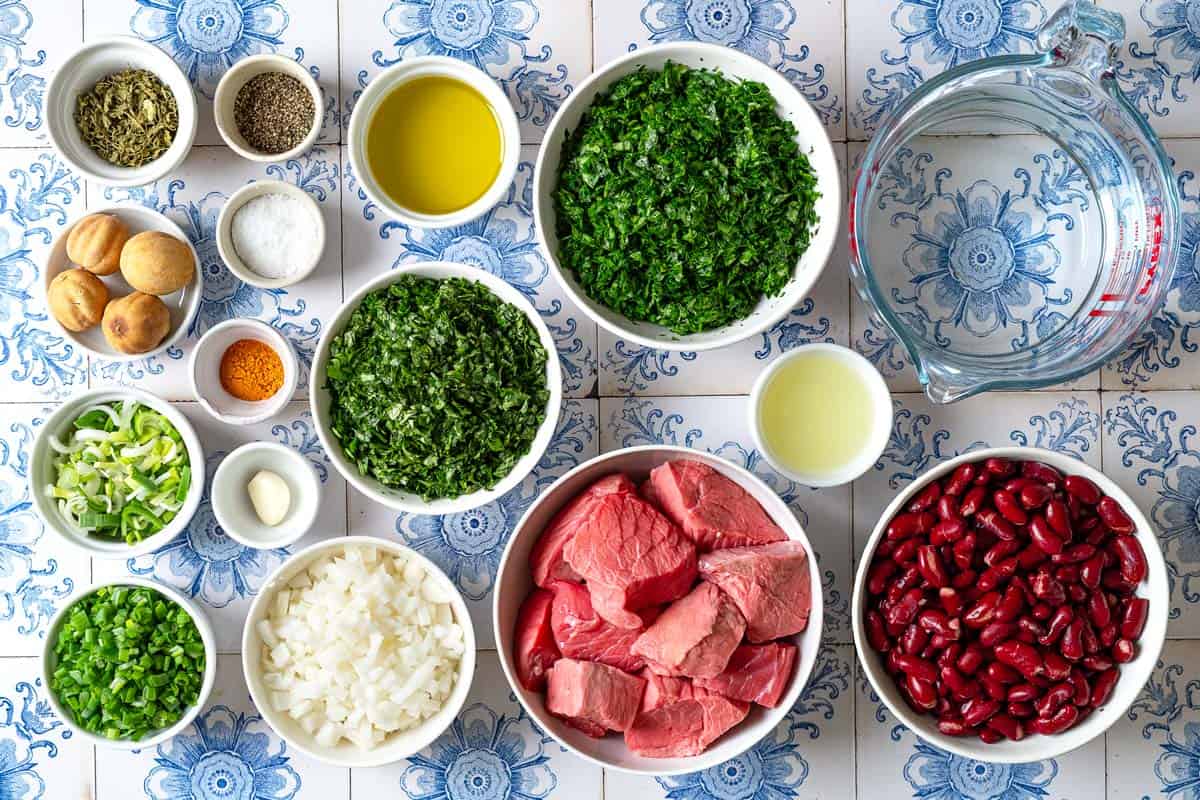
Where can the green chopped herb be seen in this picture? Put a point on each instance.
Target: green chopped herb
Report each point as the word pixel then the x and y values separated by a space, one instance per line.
pixel 129 662
pixel 683 199
pixel 437 387
pixel 129 118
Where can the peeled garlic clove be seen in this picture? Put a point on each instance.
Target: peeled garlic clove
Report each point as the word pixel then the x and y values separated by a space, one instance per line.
pixel 270 496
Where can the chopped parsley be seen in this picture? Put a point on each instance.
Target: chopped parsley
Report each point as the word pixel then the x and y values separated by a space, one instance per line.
pixel 438 387
pixel 683 199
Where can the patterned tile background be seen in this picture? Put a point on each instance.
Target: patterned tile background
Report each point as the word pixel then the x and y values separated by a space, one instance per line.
pixel 855 60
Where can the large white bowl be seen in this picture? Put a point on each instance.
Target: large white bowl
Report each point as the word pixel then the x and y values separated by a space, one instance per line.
pixel 398 745
pixel 514 583
pixel 404 501
pixel 80 72
pixel 41 473
pixel 182 305
pixel 50 661
pixel 810 136
pixel 1133 675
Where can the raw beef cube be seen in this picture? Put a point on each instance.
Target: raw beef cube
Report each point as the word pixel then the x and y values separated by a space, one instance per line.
pixel 592 696
pixel 713 511
pixel 662 690
pixel 770 584
pixel 684 728
pixel 695 636
pixel 582 634
pixel 756 673
pixel 546 559
pixel 536 651
pixel 632 557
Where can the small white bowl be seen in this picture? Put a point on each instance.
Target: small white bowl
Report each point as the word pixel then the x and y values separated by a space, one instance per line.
pixel 811 138
pixel 514 583
pixel 231 502
pixel 1133 675
pixel 80 72
pixel 41 473
pixel 881 422
pixel 229 253
pixel 395 747
pixel 49 661
pixel 205 372
pixel 232 82
pixel 404 501
pixel 423 67
pixel 182 305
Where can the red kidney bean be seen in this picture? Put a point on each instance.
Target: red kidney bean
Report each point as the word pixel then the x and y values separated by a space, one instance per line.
pixel 1063 719
pixel 1044 537
pixel 1046 588
pixel 1030 557
pixel 1063 616
pixel 1023 693
pixel 960 479
pixel 1083 689
pixel 983 611
pixel 996 632
pixel 961 687
pixel 1133 618
pixel 1098 536
pixel 929 562
pixel 906 551
pixel 1059 518
pixel 1067 574
pixel 965 583
pixel 1112 579
pixel 1132 558
pixel 1091 571
pixel 1015 485
pixel 1007 727
pixel 972 501
pixel 906 608
pixel 922 693
pixel 925 498
pixel 971 659
pixel 937 643
pixel 1000 551
pixel 1057 668
pixel 1091 642
pixel 876 635
pixel 1096 663
pixel 1108 634
pixel 1032 629
pixel 1114 517
pixel 1071 644
pixel 1076 593
pixel 992 687
pixel 1098 610
pixel 1123 651
pixel 1074 507
pixel 1078 486
pixel 1011 604
pixel 979 710
pixel 1021 710
pixel 908 524
pixel 1034 495
pixel 1009 507
pixel 1058 695
pixel 1000 467
pixel 1023 657
pixel 1001 673
pixel 914 639
pixel 948 508
pixel 1102 686
pixel 951 600
pixel 988 736
pixel 953 727
pixel 964 551
pixel 878 575
pixel 916 667
pixel 1042 611
pixel 1042 472
pixel 1075 554
pixel 947 531
pixel 991 521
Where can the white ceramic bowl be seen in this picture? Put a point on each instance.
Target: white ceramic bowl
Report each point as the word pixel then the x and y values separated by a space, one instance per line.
pixel 229 253
pixel 231 502
pixel 514 583
pixel 881 424
pixel 422 67
pixel 41 473
pixel 205 372
pixel 49 661
pixel 80 72
pixel 397 746
pixel 403 501
pixel 232 82
pixel 182 304
pixel 1133 675
pixel 811 138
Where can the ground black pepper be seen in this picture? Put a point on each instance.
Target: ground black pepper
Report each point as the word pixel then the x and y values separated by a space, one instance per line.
pixel 274 112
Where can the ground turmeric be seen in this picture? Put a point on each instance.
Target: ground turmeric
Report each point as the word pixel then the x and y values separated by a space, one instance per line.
pixel 251 370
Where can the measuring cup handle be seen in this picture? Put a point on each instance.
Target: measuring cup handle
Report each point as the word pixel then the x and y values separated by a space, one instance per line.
pixel 1083 36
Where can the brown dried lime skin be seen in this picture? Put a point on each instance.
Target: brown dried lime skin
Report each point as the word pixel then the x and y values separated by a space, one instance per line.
pixel 274 112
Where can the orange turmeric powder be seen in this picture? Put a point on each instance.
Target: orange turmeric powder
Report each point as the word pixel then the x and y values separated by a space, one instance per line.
pixel 251 370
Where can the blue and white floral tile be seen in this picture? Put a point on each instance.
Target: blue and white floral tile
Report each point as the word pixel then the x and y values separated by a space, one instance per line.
pixel 627 368
pixel 39 758
pixel 227 752
pixel 205 37
pixel 901 765
pixel 1150 450
pixel 537 50
pixel 893 46
pixel 35 37
pixel 193 198
pixel 803 39
pixel 1154 749
pixel 809 754
pixel 924 435
pixel 1160 62
pixel 1164 353
pixel 468 545
pixel 38 195
pixel 38 571
pixel 493 751
pixel 977 251
pixel 719 425
pixel 502 242
pixel 202 562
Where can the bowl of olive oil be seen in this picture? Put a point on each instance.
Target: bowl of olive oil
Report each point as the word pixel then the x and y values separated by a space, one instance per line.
pixel 434 142
pixel 820 414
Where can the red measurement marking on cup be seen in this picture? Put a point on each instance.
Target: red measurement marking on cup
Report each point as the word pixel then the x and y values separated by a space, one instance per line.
pixel 1113 303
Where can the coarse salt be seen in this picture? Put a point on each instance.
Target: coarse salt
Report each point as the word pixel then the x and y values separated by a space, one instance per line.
pixel 274 235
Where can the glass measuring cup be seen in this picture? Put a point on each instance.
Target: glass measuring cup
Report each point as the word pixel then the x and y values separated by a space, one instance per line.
pixel 1016 220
